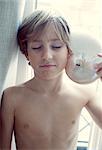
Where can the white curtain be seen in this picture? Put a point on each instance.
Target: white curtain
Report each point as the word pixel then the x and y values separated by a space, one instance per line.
pixel 11 14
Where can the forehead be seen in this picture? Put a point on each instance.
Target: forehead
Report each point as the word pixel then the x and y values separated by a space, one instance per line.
pixel 47 33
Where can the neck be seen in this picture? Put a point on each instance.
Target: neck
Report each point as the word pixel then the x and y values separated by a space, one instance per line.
pixel 48 86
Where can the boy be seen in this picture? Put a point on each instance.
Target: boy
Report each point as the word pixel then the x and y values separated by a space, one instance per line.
pixel 44 112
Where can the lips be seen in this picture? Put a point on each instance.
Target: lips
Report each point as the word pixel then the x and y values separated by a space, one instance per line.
pixel 47 65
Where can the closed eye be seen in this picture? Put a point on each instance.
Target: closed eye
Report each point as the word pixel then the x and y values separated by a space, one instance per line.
pixel 37 48
pixel 56 47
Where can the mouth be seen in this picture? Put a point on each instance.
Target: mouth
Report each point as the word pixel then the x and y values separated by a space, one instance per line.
pixel 47 66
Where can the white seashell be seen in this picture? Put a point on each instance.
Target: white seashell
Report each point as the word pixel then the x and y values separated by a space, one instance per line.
pixel 82 64
pixel 82 70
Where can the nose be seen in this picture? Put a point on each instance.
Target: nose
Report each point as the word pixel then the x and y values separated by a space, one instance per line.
pixel 47 54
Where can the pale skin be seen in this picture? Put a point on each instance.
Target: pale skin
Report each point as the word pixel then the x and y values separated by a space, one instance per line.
pixel 44 112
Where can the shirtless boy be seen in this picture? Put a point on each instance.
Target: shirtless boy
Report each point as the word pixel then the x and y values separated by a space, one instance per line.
pixel 44 112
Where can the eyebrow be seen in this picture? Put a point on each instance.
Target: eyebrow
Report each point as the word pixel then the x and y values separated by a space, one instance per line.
pixel 48 40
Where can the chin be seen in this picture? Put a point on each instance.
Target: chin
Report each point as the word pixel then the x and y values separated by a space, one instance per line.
pixel 50 77
pixel 47 77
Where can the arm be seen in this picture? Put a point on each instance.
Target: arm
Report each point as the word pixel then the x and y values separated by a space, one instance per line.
pixel 94 106
pixel 95 109
pixel 7 119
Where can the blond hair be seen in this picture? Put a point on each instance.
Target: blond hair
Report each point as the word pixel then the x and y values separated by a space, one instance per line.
pixel 35 24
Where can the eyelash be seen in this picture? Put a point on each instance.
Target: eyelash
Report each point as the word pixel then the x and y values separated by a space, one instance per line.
pixel 53 47
pixel 56 47
pixel 36 48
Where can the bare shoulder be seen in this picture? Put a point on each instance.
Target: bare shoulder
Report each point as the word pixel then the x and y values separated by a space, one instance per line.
pixel 12 91
pixel 7 98
pixel 11 95
pixel 89 90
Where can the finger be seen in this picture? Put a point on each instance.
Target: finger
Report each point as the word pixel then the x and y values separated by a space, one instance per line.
pixel 99 70
pixel 99 54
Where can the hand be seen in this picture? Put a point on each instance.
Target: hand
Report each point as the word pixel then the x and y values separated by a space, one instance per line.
pixel 98 67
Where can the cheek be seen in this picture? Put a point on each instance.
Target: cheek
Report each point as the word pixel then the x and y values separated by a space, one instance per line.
pixel 63 58
pixel 33 60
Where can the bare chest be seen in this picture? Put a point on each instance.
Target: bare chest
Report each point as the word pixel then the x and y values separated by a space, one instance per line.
pixel 48 117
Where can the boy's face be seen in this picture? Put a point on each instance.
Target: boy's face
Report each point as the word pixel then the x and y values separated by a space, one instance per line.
pixel 47 54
